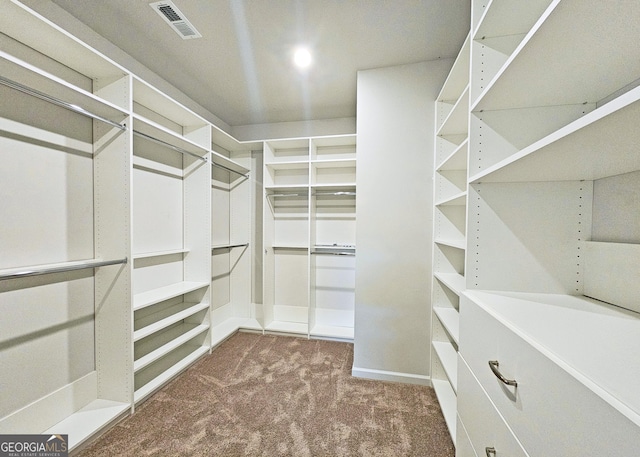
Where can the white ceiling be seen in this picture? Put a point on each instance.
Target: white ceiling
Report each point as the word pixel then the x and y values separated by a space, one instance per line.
pixel 240 70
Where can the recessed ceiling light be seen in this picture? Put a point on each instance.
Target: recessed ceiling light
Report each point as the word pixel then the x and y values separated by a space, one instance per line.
pixel 302 58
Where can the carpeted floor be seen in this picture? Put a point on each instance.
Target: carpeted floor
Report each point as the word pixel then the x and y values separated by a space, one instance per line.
pixel 264 395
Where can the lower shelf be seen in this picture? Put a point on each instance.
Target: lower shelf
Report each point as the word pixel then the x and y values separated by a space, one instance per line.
pixel 287 327
pixel 330 331
pixel 89 421
pixel 448 404
pixel 177 361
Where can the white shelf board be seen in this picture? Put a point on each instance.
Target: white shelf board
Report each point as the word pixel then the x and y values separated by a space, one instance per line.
pixel 287 164
pixel 459 199
pixel 576 151
pixel 448 404
pixel 172 316
pixel 33 77
pixel 88 421
pixel 592 341
pixel 501 18
pixel 449 359
pixel 450 319
pixel 457 160
pixel 251 324
pixel 454 243
pixel 144 299
pixel 287 327
pixel 342 186
pixel 334 163
pixel 332 331
pixel 28 27
pixel 548 68
pixel 453 281
pixel 458 78
pixel 163 350
pixel 159 132
pixel 153 99
pixel 184 363
pixel 457 122
pixel 228 163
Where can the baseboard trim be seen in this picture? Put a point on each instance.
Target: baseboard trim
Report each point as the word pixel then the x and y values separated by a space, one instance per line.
pixel 394 376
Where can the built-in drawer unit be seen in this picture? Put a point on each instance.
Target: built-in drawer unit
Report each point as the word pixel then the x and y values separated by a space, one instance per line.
pixel 540 364
pixel 487 431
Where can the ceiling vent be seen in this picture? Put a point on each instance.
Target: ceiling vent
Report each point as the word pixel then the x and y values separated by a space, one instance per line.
pixel 174 17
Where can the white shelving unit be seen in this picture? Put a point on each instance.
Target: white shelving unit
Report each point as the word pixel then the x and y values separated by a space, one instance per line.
pixel 450 196
pixel 62 179
pixel 109 190
pixel 309 236
pixel 171 301
pixel 230 237
pixel 551 214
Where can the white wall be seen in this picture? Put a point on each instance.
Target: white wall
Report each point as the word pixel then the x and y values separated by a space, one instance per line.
pixel 395 125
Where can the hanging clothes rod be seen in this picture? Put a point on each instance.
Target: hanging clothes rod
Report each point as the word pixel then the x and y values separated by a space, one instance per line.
pixel 169 145
pixel 341 193
pixel 351 254
pixel 230 246
pixel 56 101
pixel 71 266
pixel 335 246
pixel 287 195
pixel 246 176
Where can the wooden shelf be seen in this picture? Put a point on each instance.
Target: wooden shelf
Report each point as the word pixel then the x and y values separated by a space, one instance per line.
pixel 574 152
pixel 549 67
pixel 459 199
pixel 186 331
pixel 88 421
pixel 457 160
pixel 144 299
pixel 449 359
pixel 450 319
pixel 159 132
pixel 457 122
pixel 447 399
pixel 458 78
pixel 148 255
pixel 287 327
pixel 454 243
pixel 331 331
pixel 180 360
pixel 165 318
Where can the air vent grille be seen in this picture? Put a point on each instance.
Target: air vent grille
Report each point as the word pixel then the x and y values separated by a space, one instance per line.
pixel 174 17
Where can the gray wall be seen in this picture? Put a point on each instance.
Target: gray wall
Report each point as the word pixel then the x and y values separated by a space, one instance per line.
pixel 395 126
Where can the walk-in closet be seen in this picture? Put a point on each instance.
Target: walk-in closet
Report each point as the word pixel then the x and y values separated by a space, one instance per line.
pixel 460 211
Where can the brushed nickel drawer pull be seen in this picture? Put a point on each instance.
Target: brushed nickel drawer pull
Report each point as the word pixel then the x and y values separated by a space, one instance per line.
pixel 490 451
pixel 493 364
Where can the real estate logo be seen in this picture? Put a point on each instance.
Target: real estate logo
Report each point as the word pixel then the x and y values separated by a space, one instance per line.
pixel 34 445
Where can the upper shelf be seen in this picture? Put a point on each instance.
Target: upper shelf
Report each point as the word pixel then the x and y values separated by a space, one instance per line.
pixel 458 78
pixel 602 143
pixel 506 18
pixel 551 64
pixel 42 35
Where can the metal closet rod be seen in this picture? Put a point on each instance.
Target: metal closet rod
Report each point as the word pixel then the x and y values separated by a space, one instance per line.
pixel 169 145
pixel 352 254
pixel 287 195
pixel 43 270
pixel 56 101
pixel 336 193
pixel 246 176
pixel 230 246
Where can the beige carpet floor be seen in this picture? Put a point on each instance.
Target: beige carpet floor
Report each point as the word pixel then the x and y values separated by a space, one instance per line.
pixel 265 395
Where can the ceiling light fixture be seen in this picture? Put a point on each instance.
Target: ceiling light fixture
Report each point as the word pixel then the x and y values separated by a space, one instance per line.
pixel 302 58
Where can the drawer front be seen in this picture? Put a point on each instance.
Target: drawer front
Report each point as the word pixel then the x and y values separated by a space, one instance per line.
pixel 550 411
pixel 463 442
pixel 485 427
